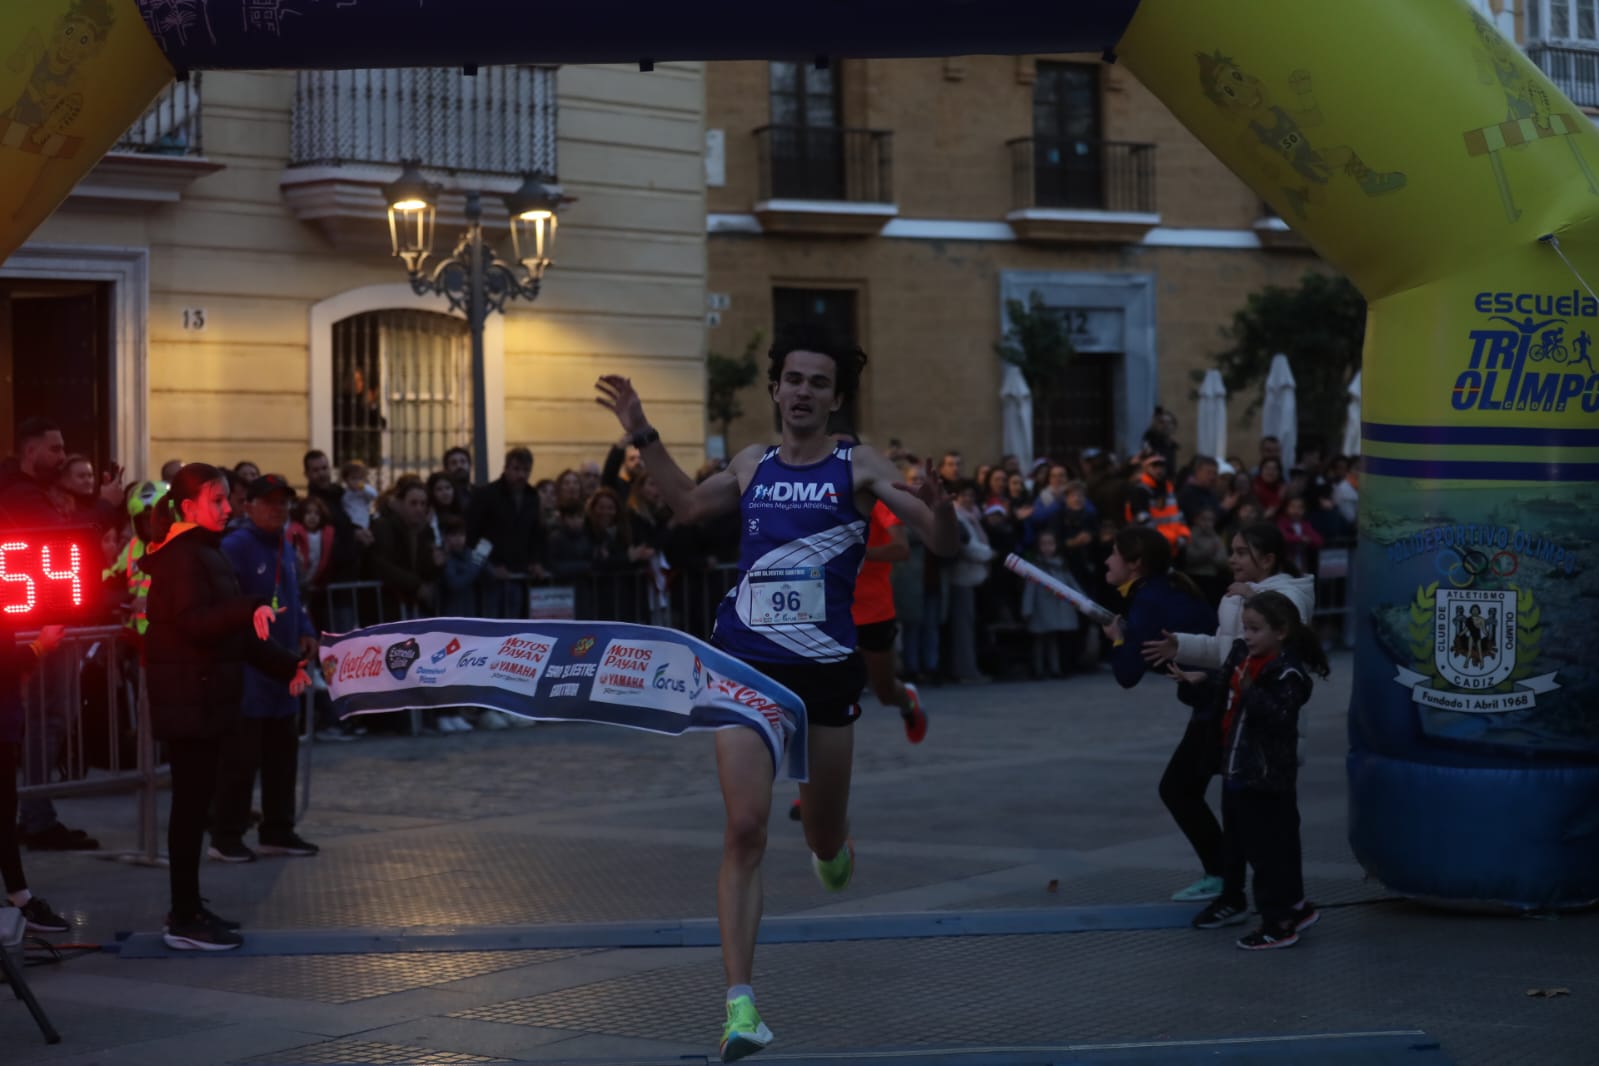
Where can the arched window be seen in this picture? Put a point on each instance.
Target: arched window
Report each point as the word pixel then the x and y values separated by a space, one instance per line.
pixel 402 390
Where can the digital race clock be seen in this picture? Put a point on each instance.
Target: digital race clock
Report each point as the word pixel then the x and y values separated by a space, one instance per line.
pixel 49 577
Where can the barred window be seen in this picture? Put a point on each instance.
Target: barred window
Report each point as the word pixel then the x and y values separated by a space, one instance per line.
pixel 402 388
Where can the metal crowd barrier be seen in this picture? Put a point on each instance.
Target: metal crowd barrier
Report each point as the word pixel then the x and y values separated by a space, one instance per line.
pixel 87 731
pixel 1335 589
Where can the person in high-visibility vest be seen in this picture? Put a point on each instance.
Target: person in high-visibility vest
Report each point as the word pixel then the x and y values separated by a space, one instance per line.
pixel 1152 501
pixel 126 564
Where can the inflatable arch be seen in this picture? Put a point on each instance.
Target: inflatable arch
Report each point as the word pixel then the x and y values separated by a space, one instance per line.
pixel 1414 147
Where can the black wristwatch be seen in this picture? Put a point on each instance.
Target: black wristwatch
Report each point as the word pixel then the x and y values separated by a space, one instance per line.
pixel 644 438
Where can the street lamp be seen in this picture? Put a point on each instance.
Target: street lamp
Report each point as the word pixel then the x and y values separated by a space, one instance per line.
pixel 473 277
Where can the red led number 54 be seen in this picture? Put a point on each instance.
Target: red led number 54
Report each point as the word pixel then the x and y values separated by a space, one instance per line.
pixel 61 588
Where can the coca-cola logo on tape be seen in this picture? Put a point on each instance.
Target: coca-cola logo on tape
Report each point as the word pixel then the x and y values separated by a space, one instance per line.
pixel 367 664
pixel 745 696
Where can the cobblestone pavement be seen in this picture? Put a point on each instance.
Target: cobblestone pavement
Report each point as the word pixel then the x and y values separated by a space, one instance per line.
pixel 1024 796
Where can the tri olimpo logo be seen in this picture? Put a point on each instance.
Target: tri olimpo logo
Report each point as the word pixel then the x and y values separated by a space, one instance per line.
pixel 1534 352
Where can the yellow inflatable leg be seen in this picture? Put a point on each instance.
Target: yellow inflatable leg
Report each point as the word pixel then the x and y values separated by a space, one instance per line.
pixel 1422 154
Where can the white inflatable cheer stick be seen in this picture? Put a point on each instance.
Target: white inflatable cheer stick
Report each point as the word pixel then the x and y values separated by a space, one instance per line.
pixel 1091 610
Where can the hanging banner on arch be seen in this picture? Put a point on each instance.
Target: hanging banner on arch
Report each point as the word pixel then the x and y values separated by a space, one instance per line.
pixel 613 673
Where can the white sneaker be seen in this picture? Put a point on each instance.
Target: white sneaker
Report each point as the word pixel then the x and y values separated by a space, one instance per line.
pixel 492 720
pixel 462 725
pixel 444 724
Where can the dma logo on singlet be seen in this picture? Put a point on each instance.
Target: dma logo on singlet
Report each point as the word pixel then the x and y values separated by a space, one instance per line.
pixel 796 492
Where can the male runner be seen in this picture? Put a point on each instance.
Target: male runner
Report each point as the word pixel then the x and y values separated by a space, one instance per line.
pixel 802 508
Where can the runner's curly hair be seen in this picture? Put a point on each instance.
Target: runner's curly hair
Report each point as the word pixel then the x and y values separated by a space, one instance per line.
pixel 848 359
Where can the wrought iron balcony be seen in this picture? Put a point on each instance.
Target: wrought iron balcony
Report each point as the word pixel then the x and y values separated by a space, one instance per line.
pixel 500 121
pixel 825 179
pixel 1575 71
pixel 1082 191
pixel 172 124
pixel 825 163
pixel 159 156
pixel 1082 175
pixel 353 130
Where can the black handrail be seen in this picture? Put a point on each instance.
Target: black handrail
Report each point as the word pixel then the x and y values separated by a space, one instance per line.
pixel 171 126
pixel 825 163
pixel 1082 174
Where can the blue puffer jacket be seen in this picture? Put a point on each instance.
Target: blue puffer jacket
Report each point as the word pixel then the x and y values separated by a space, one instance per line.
pixel 266 568
pixel 1156 605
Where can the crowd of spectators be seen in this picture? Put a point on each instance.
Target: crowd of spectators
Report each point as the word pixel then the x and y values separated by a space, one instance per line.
pixel 591 542
pixel 1062 513
pixel 596 541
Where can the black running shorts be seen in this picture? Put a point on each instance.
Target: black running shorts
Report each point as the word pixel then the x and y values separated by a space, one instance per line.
pixel 831 691
pixel 877 636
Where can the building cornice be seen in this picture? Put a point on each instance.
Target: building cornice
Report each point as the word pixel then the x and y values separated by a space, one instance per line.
pixel 1269 234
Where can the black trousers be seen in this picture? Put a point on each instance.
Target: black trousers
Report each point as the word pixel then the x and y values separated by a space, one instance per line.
pixel 1182 789
pixel 270 747
pixel 1263 830
pixel 194 778
pixel 10 843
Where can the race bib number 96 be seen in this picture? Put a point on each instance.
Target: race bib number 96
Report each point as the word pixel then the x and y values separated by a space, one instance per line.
pixel 786 597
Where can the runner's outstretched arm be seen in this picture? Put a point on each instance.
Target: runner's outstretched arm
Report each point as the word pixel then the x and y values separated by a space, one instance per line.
pixel 690 503
pixel 928 510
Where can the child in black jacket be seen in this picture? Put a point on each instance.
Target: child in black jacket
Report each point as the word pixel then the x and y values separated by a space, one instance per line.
pixel 1258 695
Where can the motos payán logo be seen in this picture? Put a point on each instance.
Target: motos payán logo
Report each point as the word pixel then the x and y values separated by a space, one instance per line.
pixel 796 492
pixel 1533 354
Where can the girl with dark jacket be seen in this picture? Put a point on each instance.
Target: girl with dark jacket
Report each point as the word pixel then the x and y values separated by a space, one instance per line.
pixel 203 631
pixel 1160 601
pixel 15 662
pixel 1257 698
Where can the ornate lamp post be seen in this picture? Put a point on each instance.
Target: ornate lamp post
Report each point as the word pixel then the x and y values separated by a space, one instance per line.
pixel 474 278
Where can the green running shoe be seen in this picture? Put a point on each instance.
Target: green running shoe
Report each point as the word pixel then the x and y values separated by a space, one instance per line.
pixel 835 873
pixel 745 1033
pixel 1205 888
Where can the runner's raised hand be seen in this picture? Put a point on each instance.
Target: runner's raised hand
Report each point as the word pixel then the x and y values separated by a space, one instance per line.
pixel 617 396
pixel 930 491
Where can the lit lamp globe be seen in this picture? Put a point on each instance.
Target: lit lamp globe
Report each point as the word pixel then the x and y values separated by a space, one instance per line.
pixel 532 217
pixel 413 202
